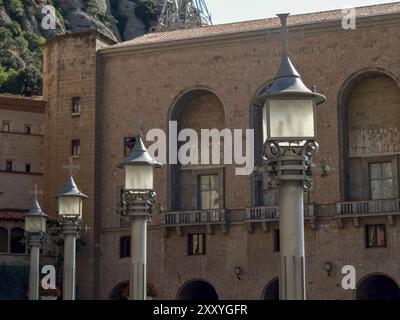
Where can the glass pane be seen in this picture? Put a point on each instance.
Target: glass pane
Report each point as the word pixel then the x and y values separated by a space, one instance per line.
pixel 205 200
pixel 375 171
pixel 372 236
pixel 381 236
pixel 376 189
pixel 214 182
pixel 195 242
pixel 204 182
pixel 387 170
pixel 214 201
pixel 200 243
pixel 387 189
pixel 291 118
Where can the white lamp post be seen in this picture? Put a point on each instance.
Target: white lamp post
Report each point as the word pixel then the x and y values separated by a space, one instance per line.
pixel 289 143
pixel 35 229
pixel 136 206
pixel 70 218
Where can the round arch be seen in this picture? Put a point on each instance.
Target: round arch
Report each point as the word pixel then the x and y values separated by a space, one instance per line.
pixel 197 289
pixel 271 290
pixel 117 293
pixel 377 286
pixel 345 92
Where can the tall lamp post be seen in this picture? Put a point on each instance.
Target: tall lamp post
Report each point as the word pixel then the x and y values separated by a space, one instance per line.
pixel 35 229
pixel 70 219
pixel 137 201
pixel 289 109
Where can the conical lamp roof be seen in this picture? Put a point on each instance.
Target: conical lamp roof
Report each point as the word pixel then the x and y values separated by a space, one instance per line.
pixel 36 210
pixel 71 189
pixel 140 156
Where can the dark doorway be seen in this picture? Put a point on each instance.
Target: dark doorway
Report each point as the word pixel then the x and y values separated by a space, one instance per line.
pixel 197 290
pixel 16 243
pixel 271 291
pixel 377 287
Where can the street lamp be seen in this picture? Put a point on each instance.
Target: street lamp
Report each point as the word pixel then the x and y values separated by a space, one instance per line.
pixel 289 109
pixel 137 201
pixel 70 219
pixel 35 230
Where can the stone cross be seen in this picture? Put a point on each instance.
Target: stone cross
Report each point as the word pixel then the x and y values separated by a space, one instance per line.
pixel 35 192
pixel 71 167
pixel 285 35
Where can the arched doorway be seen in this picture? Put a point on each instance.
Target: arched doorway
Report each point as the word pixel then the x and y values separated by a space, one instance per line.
pixel 271 291
pixel 377 287
pixel 120 291
pixel 197 290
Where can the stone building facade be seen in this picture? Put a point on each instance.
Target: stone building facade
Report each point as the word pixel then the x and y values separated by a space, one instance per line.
pixel 213 233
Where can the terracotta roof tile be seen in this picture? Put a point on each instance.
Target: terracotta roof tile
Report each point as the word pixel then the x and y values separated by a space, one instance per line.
pixel 254 25
pixel 12 214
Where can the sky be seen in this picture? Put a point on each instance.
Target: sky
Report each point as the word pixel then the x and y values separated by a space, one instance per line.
pixel 226 11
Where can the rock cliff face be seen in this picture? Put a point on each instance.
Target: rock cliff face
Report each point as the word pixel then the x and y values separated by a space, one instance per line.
pixel 23 30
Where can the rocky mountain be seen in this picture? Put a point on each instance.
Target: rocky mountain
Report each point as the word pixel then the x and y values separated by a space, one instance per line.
pixel 26 24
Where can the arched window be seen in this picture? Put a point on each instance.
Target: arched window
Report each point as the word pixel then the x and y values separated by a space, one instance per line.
pixel 3 240
pixel 17 235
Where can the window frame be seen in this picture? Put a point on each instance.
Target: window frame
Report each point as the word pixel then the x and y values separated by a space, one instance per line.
pixel 196 188
pixel 74 146
pixel 8 124
pixel 366 176
pixel 202 236
pixel 367 228
pixel 12 165
pixel 121 246
pixel 73 101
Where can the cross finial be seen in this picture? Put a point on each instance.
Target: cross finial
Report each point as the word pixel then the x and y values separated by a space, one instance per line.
pixel 35 192
pixel 284 34
pixel 138 123
pixel 71 167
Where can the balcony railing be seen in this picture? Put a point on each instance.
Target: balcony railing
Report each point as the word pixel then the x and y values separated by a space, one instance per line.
pixel 272 213
pixel 368 207
pixel 194 217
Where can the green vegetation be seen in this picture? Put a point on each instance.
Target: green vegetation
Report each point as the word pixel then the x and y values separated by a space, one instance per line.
pixel 20 60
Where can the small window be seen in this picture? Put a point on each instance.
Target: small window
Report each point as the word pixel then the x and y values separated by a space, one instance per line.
pixel 197 244
pixel 376 236
pixel 76 148
pixel 27 168
pixel 6 126
pixel 277 246
pixel 9 165
pixel 124 247
pixel 129 143
pixel 208 192
pixel 381 180
pixel 27 129
pixel 76 105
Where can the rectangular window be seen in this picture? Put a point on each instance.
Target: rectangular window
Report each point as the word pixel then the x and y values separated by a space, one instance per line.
pixel 277 247
pixel 9 165
pixel 27 168
pixel 124 247
pixel 76 148
pixel 76 105
pixel 27 129
pixel 381 180
pixel 129 143
pixel 375 236
pixel 6 126
pixel 197 244
pixel 208 192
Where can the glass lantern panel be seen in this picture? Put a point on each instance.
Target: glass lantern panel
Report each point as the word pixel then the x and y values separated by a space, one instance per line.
pixel 35 224
pixel 139 177
pixel 291 119
pixel 69 206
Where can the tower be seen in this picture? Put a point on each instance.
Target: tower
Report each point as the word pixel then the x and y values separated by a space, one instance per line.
pixel 181 14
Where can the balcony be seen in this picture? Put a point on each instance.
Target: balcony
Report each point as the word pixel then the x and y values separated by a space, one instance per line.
pixel 357 209
pixel 206 218
pixel 266 215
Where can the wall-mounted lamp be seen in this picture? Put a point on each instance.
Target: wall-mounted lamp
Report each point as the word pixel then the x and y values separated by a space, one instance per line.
pixel 328 268
pixel 238 271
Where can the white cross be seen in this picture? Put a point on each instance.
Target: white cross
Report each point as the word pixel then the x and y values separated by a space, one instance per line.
pixel 35 192
pixel 71 167
pixel 285 35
